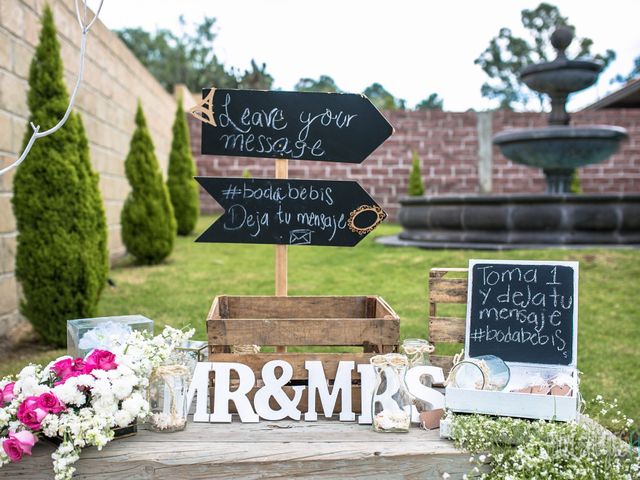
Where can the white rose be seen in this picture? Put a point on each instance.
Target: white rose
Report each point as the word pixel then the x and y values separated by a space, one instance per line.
pixel 121 388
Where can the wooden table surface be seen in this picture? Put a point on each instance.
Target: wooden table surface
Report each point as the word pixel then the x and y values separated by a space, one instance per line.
pixel 266 450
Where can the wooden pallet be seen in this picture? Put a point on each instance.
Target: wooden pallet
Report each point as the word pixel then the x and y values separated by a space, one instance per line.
pixel 360 321
pixel 443 288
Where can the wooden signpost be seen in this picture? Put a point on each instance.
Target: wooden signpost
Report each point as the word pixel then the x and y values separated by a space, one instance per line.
pixel 298 126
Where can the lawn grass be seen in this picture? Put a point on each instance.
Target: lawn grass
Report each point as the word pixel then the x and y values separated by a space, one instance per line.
pixel 180 292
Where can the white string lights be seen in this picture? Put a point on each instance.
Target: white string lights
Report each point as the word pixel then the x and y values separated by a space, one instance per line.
pixel 84 27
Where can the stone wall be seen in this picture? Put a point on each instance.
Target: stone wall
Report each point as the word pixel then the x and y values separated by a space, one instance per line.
pixel 457 157
pixel 113 82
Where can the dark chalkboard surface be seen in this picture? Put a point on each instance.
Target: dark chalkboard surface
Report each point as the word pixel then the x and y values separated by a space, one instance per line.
pixel 334 127
pixel 290 212
pixel 523 311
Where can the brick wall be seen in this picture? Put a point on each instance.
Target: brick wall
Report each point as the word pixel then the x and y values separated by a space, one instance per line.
pixel 113 82
pixel 448 146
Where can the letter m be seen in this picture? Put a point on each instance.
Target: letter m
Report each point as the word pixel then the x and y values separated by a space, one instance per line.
pixel 318 383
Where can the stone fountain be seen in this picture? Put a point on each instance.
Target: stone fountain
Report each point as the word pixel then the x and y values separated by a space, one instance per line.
pixel 559 148
pixel 554 218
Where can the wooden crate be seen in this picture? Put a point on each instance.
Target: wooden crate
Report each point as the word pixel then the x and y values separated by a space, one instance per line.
pixel 359 321
pixel 444 288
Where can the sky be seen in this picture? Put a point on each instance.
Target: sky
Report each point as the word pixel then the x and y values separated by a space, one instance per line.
pixel 412 47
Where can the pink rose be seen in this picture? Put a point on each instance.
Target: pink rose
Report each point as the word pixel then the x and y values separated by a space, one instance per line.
pixel 30 414
pixel 67 368
pixel 13 449
pixel 19 444
pixel 7 392
pixel 101 360
pixel 50 403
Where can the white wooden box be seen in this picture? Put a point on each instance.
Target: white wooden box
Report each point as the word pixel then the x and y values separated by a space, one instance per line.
pixel 515 404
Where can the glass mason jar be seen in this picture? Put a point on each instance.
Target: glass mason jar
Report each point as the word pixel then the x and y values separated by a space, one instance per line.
pixel 417 351
pixel 391 401
pixel 168 387
pixel 485 372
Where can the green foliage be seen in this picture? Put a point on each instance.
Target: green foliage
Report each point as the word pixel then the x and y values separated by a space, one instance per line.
pixel 416 187
pixel 324 84
pixel 634 73
pixel 62 258
pixel 507 55
pixel 246 173
pixel 183 189
pixel 148 224
pixel 524 449
pixel 575 186
pixel 382 99
pixel 189 58
pixel 432 102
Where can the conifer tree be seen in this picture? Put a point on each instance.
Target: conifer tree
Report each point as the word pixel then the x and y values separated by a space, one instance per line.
pixel 61 255
pixel 416 187
pixel 148 224
pixel 183 189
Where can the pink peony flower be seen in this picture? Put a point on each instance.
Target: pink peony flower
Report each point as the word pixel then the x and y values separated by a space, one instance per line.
pixel 30 414
pixel 101 360
pixel 7 392
pixel 19 444
pixel 50 403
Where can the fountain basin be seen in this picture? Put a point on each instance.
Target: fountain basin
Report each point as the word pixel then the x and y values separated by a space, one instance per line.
pixel 560 147
pixel 561 76
pixel 498 222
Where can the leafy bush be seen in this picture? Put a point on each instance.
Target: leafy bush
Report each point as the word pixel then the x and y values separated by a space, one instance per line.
pixel 416 187
pixel 183 189
pixel 61 259
pixel 148 225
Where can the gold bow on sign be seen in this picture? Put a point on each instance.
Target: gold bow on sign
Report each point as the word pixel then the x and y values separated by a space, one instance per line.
pixel 204 110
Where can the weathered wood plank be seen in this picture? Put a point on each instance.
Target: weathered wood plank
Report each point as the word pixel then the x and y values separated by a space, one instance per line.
pixel 447 329
pixel 304 331
pixel 267 450
pixel 448 290
pixel 330 361
pixel 267 307
pixel 443 361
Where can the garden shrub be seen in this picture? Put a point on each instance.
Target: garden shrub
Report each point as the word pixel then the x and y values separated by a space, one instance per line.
pixel 148 224
pixel 183 189
pixel 61 258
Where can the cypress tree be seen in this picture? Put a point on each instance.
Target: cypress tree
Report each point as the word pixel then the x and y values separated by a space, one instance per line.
pixel 416 187
pixel 183 189
pixel 61 254
pixel 148 224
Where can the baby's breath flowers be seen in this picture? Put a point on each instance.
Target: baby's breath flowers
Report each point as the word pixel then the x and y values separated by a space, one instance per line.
pixel 517 449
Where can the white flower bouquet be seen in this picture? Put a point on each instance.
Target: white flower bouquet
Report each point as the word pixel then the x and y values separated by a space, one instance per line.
pixel 81 401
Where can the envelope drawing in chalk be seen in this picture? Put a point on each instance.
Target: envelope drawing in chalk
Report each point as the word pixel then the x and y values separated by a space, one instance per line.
pixel 301 236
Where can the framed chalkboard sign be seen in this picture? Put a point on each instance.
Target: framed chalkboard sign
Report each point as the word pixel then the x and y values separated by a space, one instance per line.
pixel 523 311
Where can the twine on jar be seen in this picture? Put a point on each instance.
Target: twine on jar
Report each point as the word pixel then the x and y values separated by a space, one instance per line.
pixel 416 352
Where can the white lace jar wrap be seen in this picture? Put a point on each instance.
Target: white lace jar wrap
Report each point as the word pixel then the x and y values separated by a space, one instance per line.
pixel 168 387
pixel 391 401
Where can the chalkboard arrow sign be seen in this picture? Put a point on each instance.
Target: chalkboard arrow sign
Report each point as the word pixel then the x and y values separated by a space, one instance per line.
pixel 523 311
pixel 290 212
pixel 334 127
